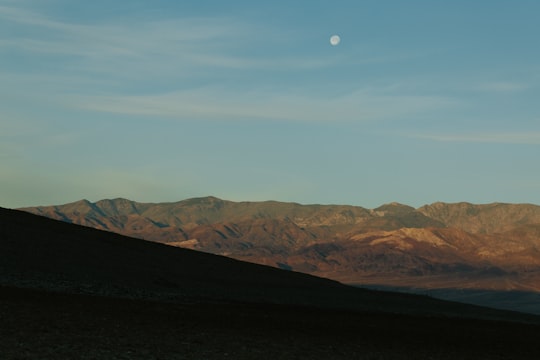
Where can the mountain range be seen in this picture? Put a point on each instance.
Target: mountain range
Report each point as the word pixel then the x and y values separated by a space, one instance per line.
pixel 438 246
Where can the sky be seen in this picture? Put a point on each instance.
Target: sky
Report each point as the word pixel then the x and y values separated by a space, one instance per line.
pixel 164 100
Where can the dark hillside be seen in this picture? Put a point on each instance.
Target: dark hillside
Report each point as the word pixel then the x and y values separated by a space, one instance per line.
pixel 53 326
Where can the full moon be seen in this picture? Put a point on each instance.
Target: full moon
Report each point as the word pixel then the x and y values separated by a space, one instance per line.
pixel 335 40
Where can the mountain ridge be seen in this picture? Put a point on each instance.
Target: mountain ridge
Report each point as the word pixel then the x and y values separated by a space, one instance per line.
pixel 489 246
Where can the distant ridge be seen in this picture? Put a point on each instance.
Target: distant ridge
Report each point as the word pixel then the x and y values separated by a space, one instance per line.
pixel 460 245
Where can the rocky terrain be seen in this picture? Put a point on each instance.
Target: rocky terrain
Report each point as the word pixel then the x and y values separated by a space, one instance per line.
pixel 73 292
pixel 57 326
pixel 462 245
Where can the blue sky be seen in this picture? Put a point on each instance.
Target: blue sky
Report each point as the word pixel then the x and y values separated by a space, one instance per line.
pixel 422 101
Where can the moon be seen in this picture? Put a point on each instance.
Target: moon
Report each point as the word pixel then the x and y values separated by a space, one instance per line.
pixel 335 40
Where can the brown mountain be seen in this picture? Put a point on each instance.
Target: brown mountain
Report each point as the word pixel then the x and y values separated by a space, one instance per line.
pixel 483 219
pixel 493 246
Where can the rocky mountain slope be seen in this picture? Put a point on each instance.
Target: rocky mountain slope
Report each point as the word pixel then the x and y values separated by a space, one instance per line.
pixel 493 246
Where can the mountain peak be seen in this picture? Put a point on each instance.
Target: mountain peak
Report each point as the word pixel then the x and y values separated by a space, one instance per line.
pixel 82 202
pixel 118 206
pixel 204 203
pixel 202 200
pixel 395 207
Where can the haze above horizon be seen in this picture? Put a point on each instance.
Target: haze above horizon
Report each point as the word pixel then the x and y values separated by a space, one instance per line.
pixel 158 101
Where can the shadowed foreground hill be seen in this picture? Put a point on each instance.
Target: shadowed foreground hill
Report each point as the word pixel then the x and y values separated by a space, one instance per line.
pixel 161 302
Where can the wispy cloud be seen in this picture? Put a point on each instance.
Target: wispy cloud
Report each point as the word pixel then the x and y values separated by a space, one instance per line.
pixel 125 57
pixel 168 46
pixel 127 40
pixel 532 138
pixel 215 103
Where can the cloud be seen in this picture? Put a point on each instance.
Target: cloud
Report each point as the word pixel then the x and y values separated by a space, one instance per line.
pixel 108 40
pixel 531 138
pixel 169 47
pixel 163 67
pixel 216 103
